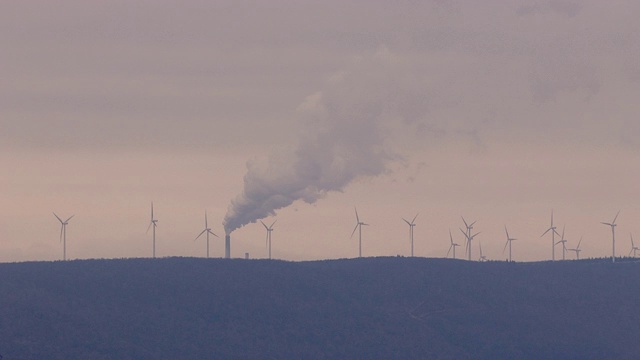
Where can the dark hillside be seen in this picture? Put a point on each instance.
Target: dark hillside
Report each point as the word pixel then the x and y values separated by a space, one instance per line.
pixel 374 308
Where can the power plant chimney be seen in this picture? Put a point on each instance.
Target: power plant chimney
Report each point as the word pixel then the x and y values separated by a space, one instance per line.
pixel 227 246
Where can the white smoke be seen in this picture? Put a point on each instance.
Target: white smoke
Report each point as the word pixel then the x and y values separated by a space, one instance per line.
pixel 342 138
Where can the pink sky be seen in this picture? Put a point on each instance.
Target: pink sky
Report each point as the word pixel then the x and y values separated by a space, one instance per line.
pixel 498 112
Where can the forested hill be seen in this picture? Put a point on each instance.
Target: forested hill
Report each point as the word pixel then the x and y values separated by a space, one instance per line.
pixel 372 308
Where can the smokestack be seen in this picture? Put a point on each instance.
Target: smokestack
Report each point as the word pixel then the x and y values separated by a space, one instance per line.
pixel 246 256
pixel 227 246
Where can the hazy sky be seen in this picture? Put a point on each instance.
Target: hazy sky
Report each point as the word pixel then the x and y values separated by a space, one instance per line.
pixel 498 111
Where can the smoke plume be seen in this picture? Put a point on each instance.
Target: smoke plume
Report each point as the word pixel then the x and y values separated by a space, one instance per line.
pixel 341 138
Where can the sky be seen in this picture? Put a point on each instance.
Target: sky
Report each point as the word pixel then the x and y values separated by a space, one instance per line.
pixel 498 111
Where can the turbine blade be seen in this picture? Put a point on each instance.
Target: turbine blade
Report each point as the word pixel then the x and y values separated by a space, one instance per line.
pixel 507 232
pixel 354 230
pixel 151 223
pixel 152 210
pixel 448 252
pixel 545 233
pixel 414 218
pixel 69 218
pixel 61 230
pixel 465 222
pixel 57 217
pixel 203 231
pixel 265 225
pixel 212 233
pixel 450 236
pixel 357 217
pixel 614 219
pixel 631 235
pixel 273 223
pixel 578 247
pixel 505 246
pixel 206 226
pixel 405 220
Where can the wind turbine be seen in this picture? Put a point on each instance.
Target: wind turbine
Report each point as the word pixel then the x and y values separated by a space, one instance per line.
pixel 153 223
pixel 206 230
pixel 63 234
pixel 634 248
pixel 564 243
pixel 411 226
pixel 613 234
pixel 553 238
pixel 577 249
pixel 468 236
pixel 452 246
pixel 483 258
pixel 509 240
pixel 359 228
pixel 269 230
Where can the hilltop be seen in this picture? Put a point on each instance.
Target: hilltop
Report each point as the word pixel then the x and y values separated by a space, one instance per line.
pixel 370 308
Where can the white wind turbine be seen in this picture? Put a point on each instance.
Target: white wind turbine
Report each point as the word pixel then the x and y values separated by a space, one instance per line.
pixel 483 258
pixel 468 236
pixel 452 246
pixel 553 237
pixel 613 234
pixel 564 243
pixel 359 228
pixel 577 249
pixel 469 239
pixel 207 230
pixel 269 230
pixel 154 224
pixel 63 234
pixel 634 248
pixel 509 240
pixel 411 224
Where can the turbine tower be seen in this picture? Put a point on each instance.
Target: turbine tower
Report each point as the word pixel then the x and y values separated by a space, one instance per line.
pixel 207 230
pixel 564 243
pixel 553 238
pixel 452 246
pixel 634 248
pixel 613 235
pixel 63 234
pixel 509 240
pixel 359 228
pixel 153 223
pixel 577 249
pixel 468 236
pixel 483 258
pixel 268 240
pixel 411 224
